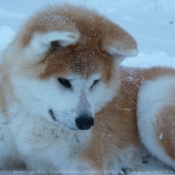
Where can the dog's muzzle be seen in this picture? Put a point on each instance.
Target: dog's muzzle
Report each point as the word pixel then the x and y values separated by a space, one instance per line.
pixel 84 122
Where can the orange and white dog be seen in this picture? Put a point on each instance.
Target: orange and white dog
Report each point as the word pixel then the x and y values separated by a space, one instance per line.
pixel 62 70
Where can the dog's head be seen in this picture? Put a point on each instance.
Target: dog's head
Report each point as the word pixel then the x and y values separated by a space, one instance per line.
pixel 66 66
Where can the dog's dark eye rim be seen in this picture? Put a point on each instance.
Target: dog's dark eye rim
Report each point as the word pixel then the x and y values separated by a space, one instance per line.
pixel 94 83
pixel 65 82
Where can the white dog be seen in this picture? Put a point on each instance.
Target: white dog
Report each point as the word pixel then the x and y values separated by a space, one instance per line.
pixel 60 72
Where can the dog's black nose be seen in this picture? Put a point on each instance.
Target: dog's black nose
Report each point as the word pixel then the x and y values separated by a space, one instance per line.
pixel 84 123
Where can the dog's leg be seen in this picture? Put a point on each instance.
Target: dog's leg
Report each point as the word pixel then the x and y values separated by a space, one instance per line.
pixel 9 155
pixel 156 118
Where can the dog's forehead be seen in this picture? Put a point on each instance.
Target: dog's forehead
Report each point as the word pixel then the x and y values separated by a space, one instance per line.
pixel 83 61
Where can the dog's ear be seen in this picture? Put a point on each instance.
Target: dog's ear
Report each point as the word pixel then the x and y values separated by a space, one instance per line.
pixel 40 43
pixel 48 31
pixel 119 44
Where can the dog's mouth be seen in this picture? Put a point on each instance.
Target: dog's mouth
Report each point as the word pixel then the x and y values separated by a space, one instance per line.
pixel 64 124
pixel 52 115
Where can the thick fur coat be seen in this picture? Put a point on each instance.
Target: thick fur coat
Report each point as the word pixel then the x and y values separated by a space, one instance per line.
pixel 66 106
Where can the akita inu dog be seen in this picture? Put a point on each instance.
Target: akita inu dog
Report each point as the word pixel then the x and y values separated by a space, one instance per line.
pixel 62 70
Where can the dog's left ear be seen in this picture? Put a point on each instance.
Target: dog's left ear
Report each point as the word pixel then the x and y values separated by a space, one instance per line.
pixel 120 44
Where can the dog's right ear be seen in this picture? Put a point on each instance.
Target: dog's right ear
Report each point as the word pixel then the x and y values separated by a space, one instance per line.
pixel 40 43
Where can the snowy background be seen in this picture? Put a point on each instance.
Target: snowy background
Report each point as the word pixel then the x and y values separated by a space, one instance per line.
pixel 151 22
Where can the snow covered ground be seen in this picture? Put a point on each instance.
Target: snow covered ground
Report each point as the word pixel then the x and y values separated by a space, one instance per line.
pixel 151 22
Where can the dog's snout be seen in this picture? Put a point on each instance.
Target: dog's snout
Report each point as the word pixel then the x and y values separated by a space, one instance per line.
pixel 84 122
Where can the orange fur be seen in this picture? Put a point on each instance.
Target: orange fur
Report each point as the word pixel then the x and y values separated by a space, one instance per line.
pixel 116 125
pixel 166 127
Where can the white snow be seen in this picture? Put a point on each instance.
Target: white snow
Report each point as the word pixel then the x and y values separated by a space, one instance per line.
pixel 151 22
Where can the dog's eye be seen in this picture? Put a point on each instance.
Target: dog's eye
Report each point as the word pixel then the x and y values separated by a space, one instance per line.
pixel 66 83
pixel 94 83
